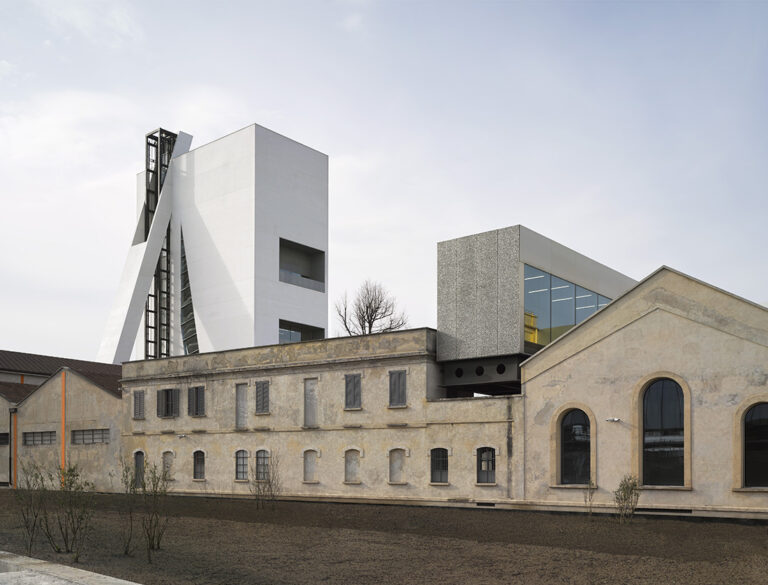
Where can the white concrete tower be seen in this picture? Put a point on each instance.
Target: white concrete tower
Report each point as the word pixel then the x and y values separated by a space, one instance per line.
pixel 230 248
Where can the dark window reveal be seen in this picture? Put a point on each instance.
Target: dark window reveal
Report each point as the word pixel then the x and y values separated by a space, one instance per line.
pixel 168 403
pixel 756 446
pixel 663 442
pixel 196 401
pixel 352 391
pixel 439 464
pixel 574 448
pixel 397 388
pixel 486 465
pixel 241 465
pixel 198 471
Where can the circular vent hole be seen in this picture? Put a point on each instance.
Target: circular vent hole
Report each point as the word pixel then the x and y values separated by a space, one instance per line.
pixel 479 370
pixel 501 368
pixel 459 372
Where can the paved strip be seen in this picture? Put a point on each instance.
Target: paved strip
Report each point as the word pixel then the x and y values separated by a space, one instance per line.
pixel 19 570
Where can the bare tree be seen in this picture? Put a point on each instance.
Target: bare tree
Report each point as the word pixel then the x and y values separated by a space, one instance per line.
pixel 373 310
pixel 264 480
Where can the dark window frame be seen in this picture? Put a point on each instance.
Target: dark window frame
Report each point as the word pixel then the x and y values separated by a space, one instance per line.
pixel 663 434
pixel 241 465
pixel 261 468
pixel 36 438
pixel 438 465
pixel 198 465
pixel 262 396
pixel 196 401
pixel 398 388
pixel 754 446
pixel 168 403
pixel 139 401
pixel 353 391
pixel 575 456
pixel 486 465
pixel 89 436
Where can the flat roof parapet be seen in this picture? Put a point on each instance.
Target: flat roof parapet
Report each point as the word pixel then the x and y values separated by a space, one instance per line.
pixel 395 344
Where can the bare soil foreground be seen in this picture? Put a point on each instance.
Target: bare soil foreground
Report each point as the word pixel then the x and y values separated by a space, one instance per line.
pixel 213 541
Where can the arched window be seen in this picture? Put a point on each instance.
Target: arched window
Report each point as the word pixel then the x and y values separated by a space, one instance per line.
pixel 439 465
pixel 756 446
pixel 574 448
pixel 138 470
pixel 241 464
pixel 198 470
pixel 168 464
pixel 486 465
pixel 663 433
pixel 262 465
pixel 310 465
pixel 396 465
pixel 351 466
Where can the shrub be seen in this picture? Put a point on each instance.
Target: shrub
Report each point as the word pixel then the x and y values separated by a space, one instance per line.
pixel 626 497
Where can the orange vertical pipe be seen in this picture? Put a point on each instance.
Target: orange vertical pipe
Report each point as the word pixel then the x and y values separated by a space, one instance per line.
pixel 22 378
pixel 15 448
pixel 63 417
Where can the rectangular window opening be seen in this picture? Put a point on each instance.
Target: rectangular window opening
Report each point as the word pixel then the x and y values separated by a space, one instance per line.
pixel 302 266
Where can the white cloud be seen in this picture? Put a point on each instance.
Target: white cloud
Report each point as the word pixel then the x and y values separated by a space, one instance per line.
pixel 107 22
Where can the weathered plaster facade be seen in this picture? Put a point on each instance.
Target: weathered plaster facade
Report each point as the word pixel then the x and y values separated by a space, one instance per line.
pixel 714 345
pixel 374 429
pixel 69 402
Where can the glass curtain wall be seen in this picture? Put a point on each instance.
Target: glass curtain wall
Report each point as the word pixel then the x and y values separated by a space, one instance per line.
pixel 553 305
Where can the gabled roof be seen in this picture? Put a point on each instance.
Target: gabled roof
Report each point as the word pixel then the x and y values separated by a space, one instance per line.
pixel 107 376
pixel 14 392
pixel 656 274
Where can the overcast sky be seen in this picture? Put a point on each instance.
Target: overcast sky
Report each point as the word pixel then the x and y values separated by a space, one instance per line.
pixel 635 133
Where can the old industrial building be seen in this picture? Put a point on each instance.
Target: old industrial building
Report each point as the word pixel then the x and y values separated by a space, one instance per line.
pixel 549 374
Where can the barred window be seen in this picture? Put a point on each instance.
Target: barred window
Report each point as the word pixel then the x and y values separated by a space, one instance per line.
pixel 262 465
pixel 196 401
pixel 39 438
pixel 4 438
pixel 397 388
pixel 198 471
pixel 90 436
pixel 486 465
pixel 262 397
pixel 241 464
pixel 138 404
pixel 352 391
pixel 439 464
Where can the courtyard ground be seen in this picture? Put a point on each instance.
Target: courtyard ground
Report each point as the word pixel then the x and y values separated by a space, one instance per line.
pixel 216 541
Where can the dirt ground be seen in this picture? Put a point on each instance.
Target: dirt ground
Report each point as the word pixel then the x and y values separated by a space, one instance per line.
pixel 215 541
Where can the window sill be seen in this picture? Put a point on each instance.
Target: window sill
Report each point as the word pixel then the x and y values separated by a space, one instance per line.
pixel 494 484
pixel 310 428
pixel 262 413
pixel 352 408
pixel 396 406
pixel 572 486
pixel 167 417
pixel 439 483
pixel 353 482
pixel 754 490
pixel 669 488
pixel 397 482
pixel 197 415
pixel 139 433
pixel 310 482
pixel 199 480
pixel 241 481
pixel 241 429
pixel 142 418
pixel 167 432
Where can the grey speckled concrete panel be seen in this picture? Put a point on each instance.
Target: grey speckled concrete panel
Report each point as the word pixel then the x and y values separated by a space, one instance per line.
pixel 487 322
pixel 446 300
pixel 510 279
pixel 466 299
